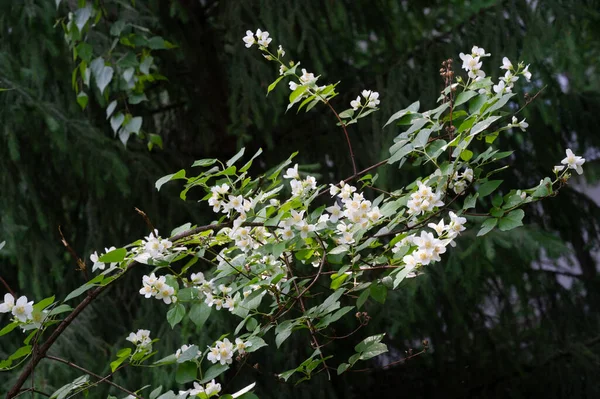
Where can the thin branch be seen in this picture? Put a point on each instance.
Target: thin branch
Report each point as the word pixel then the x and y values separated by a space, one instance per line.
pixel 346 134
pixel 146 218
pixel 200 229
pixel 24 391
pixel 99 377
pixel 8 287
pixel 80 263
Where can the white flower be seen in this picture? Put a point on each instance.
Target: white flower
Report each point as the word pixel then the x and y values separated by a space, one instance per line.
pixel 409 261
pixel 280 51
pixel 526 73
pixel 470 63
pixel 373 100
pixel 305 229
pixel 500 87
pixel 292 173
pixel 197 278
pixel 293 86
pixel 573 161
pixel 336 212
pixel 282 69
pixel 97 265
pixel 22 309
pixel 141 339
pixel 249 39
pixel 355 104
pixel 8 304
pixel 558 168
pixel 212 388
pixel 307 77
pixel 479 52
pixel 147 291
pixel 222 352
pixel 197 390
pixel 263 38
pixel 439 228
pixel 456 223
pixel 506 64
pixel 166 294
pixel 522 125
pixel 333 190
pixel 286 233
pixel 241 346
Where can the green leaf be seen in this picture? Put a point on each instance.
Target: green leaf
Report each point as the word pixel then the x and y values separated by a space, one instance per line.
pixel 186 372
pixel 116 121
pixel 488 187
pixel 414 107
pixel 116 363
pixel 378 292
pixel 44 303
pixel 199 313
pixel 466 155
pixel 464 97
pixel 82 99
pixel 125 352
pixel 368 342
pixel 189 354
pixel 60 309
pixel 102 73
pixel 362 298
pixel 398 155
pixel 213 372
pixel 373 350
pixel 174 176
pixel 487 226
pixel 116 255
pixel 75 293
pixel 342 367
pixel 296 94
pixel 481 126
pixel 235 157
pixel 512 220
pixel 338 280
pixel 81 16
pixel 272 85
pixel 256 342
pixel 110 109
pixel 154 394
pixel 283 331
pixel 2 244
pixel 175 314
pixel 8 328
pixel 347 113
pixel 470 201
pixel 204 162
pixel 133 126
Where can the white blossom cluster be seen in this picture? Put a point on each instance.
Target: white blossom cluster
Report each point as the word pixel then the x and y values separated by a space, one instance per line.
pixel 356 212
pixel 300 187
pixel 158 288
pixel 572 161
pixel 428 248
pixel 205 391
pixel 141 339
pixel 213 294
pixel 22 310
pixel 472 63
pixel 423 200
pixel 223 351
pixel 371 100
pixel 261 38
pixel 154 247
pixel 99 265
pixel 460 182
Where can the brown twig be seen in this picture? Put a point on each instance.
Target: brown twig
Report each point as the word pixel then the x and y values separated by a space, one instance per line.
pixel 80 263
pixel 8 287
pixel 146 218
pixel 343 125
pixel 99 377
pixel 425 349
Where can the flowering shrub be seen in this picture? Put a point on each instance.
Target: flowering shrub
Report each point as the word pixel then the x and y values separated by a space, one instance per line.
pixel 273 242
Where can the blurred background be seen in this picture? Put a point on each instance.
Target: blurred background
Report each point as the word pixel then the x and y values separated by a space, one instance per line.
pixel 507 315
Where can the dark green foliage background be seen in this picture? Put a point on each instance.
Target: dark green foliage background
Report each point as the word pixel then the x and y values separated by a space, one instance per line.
pixel 497 325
